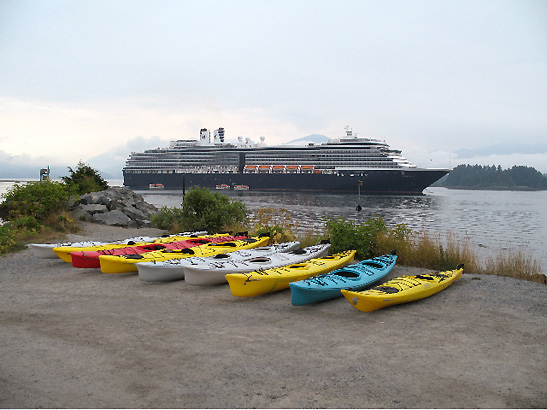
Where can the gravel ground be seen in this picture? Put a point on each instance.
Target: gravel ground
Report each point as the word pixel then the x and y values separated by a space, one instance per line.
pixel 75 338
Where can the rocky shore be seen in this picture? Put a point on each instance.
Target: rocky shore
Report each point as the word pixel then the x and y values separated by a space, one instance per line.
pixel 116 206
pixel 75 338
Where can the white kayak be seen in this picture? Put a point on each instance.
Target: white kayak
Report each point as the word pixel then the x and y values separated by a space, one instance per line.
pixel 213 273
pixel 45 250
pixel 175 269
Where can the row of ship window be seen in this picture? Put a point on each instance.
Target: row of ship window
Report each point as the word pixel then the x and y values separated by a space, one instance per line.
pixel 162 170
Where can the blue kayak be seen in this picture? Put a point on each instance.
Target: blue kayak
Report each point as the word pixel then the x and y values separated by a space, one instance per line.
pixel 352 277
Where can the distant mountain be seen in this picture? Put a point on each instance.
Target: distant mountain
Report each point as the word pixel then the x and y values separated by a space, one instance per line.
pixel 313 139
pixel 108 164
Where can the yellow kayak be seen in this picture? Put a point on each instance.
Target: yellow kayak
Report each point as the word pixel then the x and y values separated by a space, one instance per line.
pixel 260 282
pixel 127 263
pixel 63 252
pixel 402 289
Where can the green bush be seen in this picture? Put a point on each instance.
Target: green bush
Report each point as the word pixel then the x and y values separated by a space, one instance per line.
pixel 84 180
pixel 35 199
pixel 14 233
pixel 32 209
pixel 275 223
pixel 168 219
pixel 346 235
pixel 201 210
pixel 43 207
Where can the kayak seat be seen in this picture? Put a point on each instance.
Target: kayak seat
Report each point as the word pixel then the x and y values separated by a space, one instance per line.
pixel 424 277
pixel 201 241
pixel 373 265
pixel 260 260
pixel 386 289
pixel 133 256
pixel 185 250
pixel 347 274
pixel 221 256
pixel 298 252
pixel 438 275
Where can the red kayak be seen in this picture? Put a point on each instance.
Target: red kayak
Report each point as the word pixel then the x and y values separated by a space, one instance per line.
pixel 90 259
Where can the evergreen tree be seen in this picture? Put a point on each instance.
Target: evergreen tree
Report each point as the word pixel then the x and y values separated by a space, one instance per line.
pixel 85 179
pixel 478 176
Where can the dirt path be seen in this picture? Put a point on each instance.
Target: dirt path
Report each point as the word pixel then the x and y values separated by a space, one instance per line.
pixel 79 338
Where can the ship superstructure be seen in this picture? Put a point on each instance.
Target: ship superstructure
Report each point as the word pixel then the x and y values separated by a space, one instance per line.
pixel 212 161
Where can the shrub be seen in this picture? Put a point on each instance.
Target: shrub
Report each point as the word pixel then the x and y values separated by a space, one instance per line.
pixel 168 219
pixel 84 180
pixel 35 199
pixel 201 210
pixel 346 235
pixel 275 223
pixel 34 209
pixel 14 233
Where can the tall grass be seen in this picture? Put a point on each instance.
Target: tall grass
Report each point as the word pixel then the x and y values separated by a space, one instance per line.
pixel 414 248
pixel 433 251
pixel 425 250
pixel 515 264
pixel 277 223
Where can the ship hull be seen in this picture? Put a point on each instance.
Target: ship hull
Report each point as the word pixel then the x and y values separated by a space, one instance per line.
pixel 412 181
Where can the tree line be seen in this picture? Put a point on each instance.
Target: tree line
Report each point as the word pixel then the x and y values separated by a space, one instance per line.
pixel 493 177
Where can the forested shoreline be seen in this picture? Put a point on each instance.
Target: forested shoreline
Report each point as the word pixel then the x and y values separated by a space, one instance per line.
pixel 494 177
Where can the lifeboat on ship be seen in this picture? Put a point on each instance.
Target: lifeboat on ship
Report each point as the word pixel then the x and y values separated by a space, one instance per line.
pixel 241 187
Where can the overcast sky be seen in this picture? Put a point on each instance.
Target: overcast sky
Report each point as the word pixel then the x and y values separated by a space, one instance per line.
pixel 433 78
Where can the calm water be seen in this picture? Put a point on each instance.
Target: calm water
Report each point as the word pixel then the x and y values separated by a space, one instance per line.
pixel 492 219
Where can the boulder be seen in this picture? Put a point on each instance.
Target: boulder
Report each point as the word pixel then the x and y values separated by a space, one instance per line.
pixel 115 206
pixel 134 213
pixel 94 208
pixel 112 218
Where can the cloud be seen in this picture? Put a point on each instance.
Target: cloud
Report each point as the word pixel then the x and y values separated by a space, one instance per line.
pixel 514 147
pixel 27 167
pixel 111 162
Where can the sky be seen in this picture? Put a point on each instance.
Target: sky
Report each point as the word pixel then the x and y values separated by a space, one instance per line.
pixel 445 81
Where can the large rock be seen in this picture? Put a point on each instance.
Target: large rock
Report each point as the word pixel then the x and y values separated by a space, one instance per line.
pixel 94 208
pixel 113 218
pixel 115 206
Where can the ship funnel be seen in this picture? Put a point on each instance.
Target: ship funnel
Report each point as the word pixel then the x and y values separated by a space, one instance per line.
pixel 219 136
pixel 204 137
pixel 349 131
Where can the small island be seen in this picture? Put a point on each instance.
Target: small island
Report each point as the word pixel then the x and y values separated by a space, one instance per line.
pixel 517 178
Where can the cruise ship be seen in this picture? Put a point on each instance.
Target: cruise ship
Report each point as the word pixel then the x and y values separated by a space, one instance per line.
pixel 345 164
